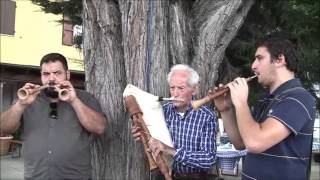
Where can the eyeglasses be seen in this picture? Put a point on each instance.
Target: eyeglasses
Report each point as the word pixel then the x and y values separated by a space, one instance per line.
pixel 53 113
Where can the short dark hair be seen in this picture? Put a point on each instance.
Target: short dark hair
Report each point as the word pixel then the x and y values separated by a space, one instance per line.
pixel 279 44
pixel 53 57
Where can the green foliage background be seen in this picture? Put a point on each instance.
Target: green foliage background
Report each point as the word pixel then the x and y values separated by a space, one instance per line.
pixel 299 18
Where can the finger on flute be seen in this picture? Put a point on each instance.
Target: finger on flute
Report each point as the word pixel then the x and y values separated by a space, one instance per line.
pixel 196 104
pixel 23 93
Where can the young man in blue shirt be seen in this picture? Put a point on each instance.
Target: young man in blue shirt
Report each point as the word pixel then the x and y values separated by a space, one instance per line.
pixel 192 131
pixel 278 135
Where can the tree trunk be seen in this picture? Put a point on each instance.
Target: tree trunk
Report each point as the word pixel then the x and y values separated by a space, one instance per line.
pixel 131 41
pixel 215 24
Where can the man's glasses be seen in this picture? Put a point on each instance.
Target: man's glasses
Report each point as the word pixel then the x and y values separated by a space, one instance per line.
pixel 53 113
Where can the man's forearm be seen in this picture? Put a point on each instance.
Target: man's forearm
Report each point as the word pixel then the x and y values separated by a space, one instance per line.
pixel 10 119
pixel 90 119
pixel 248 127
pixel 169 150
pixel 199 159
pixel 231 127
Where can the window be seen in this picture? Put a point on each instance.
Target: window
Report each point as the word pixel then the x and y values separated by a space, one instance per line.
pixel 67 36
pixel 7 15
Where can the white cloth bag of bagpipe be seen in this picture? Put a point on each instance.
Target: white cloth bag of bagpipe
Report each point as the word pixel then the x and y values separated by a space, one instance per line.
pixel 152 113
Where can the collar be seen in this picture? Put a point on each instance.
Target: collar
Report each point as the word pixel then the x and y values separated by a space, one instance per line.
pixel 287 85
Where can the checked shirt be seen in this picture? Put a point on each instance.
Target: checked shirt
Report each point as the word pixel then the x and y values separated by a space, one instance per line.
pixel 193 136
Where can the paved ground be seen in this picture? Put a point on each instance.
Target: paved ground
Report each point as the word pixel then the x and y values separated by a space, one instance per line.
pixel 12 169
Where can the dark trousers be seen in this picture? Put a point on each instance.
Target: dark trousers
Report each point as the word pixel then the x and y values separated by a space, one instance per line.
pixel 209 177
pixel 158 176
pixel 194 176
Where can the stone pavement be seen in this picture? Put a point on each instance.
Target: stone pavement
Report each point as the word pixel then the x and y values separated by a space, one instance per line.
pixel 12 169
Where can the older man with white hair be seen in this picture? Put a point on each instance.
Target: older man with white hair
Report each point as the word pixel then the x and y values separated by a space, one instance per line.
pixel 192 131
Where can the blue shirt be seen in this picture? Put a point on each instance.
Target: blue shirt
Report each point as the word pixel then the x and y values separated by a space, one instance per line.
pixel 193 136
pixel 295 108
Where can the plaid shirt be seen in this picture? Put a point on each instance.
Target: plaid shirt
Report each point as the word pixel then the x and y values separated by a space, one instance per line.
pixel 193 135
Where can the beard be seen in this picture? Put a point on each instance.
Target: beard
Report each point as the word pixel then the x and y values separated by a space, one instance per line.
pixel 51 92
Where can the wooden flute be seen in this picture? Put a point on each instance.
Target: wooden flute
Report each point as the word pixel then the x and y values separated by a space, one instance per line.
pixel 157 162
pixel 23 93
pixel 63 93
pixel 197 103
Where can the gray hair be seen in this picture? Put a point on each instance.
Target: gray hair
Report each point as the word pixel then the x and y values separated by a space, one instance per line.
pixel 193 78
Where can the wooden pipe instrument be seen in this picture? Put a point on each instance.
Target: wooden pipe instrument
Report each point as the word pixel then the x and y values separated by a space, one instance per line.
pixel 197 103
pixel 23 93
pixel 63 93
pixel 136 115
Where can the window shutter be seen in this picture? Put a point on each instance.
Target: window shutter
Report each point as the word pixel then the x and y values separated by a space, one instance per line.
pixel 7 15
pixel 67 36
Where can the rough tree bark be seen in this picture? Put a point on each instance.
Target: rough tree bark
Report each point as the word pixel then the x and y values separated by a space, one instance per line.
pixel 215 25
pixel 136 41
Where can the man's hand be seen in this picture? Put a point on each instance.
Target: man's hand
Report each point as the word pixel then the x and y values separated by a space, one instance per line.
pixel 69 94
pixel 136 132
pixel 32 94
pixel 223 102
pixel 239 91
pixel 156 147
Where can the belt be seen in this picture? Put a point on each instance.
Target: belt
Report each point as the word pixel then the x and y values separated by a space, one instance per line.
pixel 197 175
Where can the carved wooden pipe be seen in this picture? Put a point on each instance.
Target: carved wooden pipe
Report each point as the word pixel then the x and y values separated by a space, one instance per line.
pixel 23 93
pixel 136 115
pixel 197 103
pixel 63 93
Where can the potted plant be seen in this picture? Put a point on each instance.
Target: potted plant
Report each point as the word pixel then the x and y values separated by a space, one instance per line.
pixel 5 141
